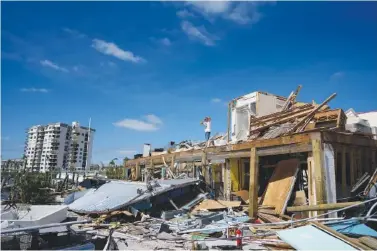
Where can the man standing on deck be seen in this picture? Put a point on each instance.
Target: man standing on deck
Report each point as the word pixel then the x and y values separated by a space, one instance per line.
pixel 207 124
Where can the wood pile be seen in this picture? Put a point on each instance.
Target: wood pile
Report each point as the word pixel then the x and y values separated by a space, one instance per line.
pixel 295 118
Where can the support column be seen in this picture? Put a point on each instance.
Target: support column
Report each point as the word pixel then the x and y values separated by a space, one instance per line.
pixel 344 171
pixel 228 179
pixel 172 165
pixel 353 166
pixel 253 190
pixel 319 175
pixel 204 166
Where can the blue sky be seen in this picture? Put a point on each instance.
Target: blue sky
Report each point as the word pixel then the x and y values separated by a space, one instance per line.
pixel 148 72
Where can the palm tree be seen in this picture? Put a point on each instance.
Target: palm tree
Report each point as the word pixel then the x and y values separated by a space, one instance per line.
pixel 112 162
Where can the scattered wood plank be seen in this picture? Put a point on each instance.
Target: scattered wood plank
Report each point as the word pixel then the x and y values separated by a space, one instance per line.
pixel 280 118
pixel 291 99
pixel 371 183
pixel 369 241
pixel 281 184
pixel 216 204
pixel 243 194
pixel 268 217
pixel 305 121
pixel 322 207
pixel 281 245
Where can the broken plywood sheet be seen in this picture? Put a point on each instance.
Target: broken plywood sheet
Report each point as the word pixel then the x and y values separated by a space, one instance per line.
pixel 281 184
pixel 213 205
pixel 243 194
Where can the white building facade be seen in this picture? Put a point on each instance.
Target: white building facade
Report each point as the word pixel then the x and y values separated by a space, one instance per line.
pixel 58 146
pixel 364 122
pixel 254 104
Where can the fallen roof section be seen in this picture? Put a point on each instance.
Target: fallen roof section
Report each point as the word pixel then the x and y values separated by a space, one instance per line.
pixel 118 194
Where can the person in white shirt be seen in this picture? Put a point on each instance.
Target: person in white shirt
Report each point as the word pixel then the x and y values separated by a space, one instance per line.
pixel 207 129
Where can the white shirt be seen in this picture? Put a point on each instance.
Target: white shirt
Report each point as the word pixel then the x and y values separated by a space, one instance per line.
pixel 208 126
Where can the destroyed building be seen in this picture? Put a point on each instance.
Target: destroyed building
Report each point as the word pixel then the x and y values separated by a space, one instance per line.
pixel 299 173
pixel 329 159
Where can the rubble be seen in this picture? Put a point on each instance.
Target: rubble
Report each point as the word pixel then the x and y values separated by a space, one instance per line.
pixel 283 178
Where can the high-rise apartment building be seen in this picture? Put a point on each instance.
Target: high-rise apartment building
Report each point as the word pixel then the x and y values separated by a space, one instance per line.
pixel 58 146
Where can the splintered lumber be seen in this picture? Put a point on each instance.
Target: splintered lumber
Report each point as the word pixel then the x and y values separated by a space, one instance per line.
pixel 369 241
pixel 261 123
pixel 281 245
pixel 216 204
pixel 322 207
pixel 331 119
pixel 291 99
pixel 269 218
pixel 371 183
pixel 303 123
pixel 280 185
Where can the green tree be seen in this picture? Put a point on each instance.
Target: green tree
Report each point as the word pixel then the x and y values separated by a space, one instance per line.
pixel 31 187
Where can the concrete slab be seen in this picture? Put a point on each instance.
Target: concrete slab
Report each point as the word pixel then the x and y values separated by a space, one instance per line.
pixel 36 215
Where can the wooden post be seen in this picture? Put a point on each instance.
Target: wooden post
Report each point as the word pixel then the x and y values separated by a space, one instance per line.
pixel 228 179
pixel 359 171
pixel 137 172
pixel 353 165
pixel 311 184
pixel 323 207
pixel 371 167
pixel 172 164
pixel 204 166
pixel 344 171
pixel 204 159
pixel 318 171
pixel 253 190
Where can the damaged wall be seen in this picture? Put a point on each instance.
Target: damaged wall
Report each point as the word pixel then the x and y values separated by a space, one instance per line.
pixel 235 174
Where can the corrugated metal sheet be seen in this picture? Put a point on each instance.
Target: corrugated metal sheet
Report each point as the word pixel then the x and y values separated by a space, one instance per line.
pixel 117 194
pixel 312 238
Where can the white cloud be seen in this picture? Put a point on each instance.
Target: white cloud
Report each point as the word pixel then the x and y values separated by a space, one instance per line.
pixel 184 14
pixel 112 49
pixel 43 90
pixel 215 100
pixel 337 75
pixel 74 33
pixel 211 7
pixel 244 13
pixel 153 119
pixel 48 63
pixel 198 33
pixel 151 123
pixel 238 12
pixel 165 41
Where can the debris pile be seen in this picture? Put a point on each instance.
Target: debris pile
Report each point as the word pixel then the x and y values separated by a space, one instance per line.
pixel 298 118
